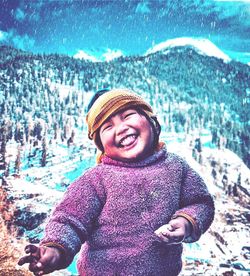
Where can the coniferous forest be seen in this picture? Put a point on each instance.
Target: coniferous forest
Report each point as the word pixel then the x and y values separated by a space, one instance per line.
pixel 43 103
pixel 188 90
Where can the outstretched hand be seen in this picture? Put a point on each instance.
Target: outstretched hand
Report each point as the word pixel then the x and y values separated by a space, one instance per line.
pixel 175 231
pixel 42 260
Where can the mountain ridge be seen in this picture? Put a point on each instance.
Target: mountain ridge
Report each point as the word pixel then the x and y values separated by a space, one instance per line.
pixel 199 102
pixel 183 75
pixel 201 45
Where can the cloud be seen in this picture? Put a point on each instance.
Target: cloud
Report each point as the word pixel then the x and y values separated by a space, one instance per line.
pixel 223 17
pixel 236 12
pixel 2 35
pixel 30 10
pixel 143 8
pixel 239 56
pixel 24 42
pixel 212 9
pixel 239 10
pixel 19 14
pixel 236 1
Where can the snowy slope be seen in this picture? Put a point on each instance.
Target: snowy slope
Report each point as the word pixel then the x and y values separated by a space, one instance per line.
pixel 106 55
pixel 85 56
pixel 222 243
pixel 203 46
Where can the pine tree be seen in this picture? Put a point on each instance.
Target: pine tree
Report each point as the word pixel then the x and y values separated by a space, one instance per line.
pixel 7 170
pixel 28 131
pixel 44 151
pixel 3 143
pixel 18 133
pixel 66 129
pixel 38 130
pixel 5 135
pixel 55 128
pixel 71 139
pixel 18 160
pixel 9 130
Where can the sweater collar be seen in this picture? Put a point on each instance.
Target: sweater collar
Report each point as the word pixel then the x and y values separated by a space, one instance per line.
pixel 155 157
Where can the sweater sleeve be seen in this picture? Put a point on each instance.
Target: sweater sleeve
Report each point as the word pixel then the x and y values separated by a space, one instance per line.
pixel 73 218
pixel 196 203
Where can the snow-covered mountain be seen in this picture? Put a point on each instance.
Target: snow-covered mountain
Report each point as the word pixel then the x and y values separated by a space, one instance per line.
pixel 203 46
pixel 106 55
pixel 85 56
pixel 44 145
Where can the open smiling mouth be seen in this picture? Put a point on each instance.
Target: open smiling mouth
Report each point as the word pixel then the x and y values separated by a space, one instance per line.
pixel 127 140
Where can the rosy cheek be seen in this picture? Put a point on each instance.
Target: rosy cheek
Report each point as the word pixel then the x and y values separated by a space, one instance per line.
pixel 106 139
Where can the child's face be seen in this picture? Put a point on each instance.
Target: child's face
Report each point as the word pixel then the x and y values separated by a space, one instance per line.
pixel 127 136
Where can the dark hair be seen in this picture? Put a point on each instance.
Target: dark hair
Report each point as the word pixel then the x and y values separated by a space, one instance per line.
pixel 154 124
pixel 96 96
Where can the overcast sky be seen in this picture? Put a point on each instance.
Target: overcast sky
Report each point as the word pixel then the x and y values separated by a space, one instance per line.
pixel 128 27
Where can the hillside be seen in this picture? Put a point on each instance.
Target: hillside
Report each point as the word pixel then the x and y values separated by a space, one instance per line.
pixel 181 85
pixel 31 194
pixel 202 104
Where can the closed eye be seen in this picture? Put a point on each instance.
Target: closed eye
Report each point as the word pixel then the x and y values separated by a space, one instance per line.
pixel 106 127
pixel 129 114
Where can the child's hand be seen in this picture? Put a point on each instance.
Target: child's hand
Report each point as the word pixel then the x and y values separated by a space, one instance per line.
pixel 175 231
pixel 42 259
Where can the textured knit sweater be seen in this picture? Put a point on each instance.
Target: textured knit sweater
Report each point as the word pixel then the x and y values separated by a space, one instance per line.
pixel 112 211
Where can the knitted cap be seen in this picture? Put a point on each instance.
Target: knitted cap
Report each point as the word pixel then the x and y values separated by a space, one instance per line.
pixel 111 102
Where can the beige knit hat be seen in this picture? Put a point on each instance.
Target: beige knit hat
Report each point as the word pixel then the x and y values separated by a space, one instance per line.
pixel 108 104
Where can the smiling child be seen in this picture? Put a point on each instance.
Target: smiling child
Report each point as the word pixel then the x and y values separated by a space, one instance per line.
pixel 130 214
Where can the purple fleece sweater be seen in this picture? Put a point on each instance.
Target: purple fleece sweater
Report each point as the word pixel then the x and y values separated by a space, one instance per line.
pixel 114 209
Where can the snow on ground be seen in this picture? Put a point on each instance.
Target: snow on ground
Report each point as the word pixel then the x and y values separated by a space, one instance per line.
pixel 222 243
pixel 83 55
pixel 225 239
pixel 203 46
pixel 64 89
pixel 99 56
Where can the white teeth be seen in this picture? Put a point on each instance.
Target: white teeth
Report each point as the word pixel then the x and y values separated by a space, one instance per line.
pixel 127 140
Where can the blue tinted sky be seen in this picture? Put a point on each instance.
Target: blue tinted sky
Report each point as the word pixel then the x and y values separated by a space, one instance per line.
pixel 131 27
